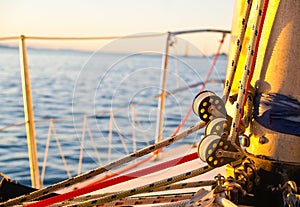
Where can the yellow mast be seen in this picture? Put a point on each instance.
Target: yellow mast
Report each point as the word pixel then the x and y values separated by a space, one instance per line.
pixel 278 71
pixel 275 152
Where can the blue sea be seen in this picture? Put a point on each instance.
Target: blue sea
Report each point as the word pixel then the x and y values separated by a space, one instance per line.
pixel 86 94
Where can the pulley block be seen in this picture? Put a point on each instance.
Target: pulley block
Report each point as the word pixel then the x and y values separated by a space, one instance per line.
pixel 217 151
pixel 218 126
pixel 207 105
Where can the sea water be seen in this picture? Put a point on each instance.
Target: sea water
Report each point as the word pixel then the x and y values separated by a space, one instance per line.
pixel 91 105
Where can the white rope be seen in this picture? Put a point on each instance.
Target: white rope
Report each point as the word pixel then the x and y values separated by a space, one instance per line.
pixel 246 73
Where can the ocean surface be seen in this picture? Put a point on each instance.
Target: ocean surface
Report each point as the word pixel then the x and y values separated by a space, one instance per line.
pixel 95 107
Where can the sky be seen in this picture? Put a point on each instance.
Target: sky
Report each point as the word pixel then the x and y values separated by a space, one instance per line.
pixel 112 18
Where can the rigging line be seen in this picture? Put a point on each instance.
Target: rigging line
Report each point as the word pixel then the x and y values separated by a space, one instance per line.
pixel 94 144
pixel 145 188
pixel 82 38
pixel 46 152
pixel 143 131
pixel 114 37
pixel 82 145
pixel 61 151
pixel 13 125
pixel 117 180
pixel 95 38
pixel 199 30
pixel 175 61
pixel 133 128
pixel 246 73
pixel 120 134
pixel 239 44
pixel 87 175
pixel 203 85
pixel 110 135
pixel 9 38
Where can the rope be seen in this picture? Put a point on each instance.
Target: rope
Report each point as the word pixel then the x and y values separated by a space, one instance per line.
pixel 61 151
pixel 82 145
pixel 142 200
pixel 93 143
pixel 164 188
pixel 113 37
pixel 85 176
pixel 186 185
pixel 239 44
pixel 120 171
pixel 116 180
pixel 176 186
pixel 119 133
pixel 150 200
pixel 143 131
pixel 248 69
pixel 133 128
pixel 182 203
pixel 144 188
pixel 82 38
pixel 263 16
pixel 110 136
pixel 46 154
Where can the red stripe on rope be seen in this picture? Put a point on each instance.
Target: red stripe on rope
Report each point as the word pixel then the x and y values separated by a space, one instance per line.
pixel 263 16
pixel 122 170
pixel 115 180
